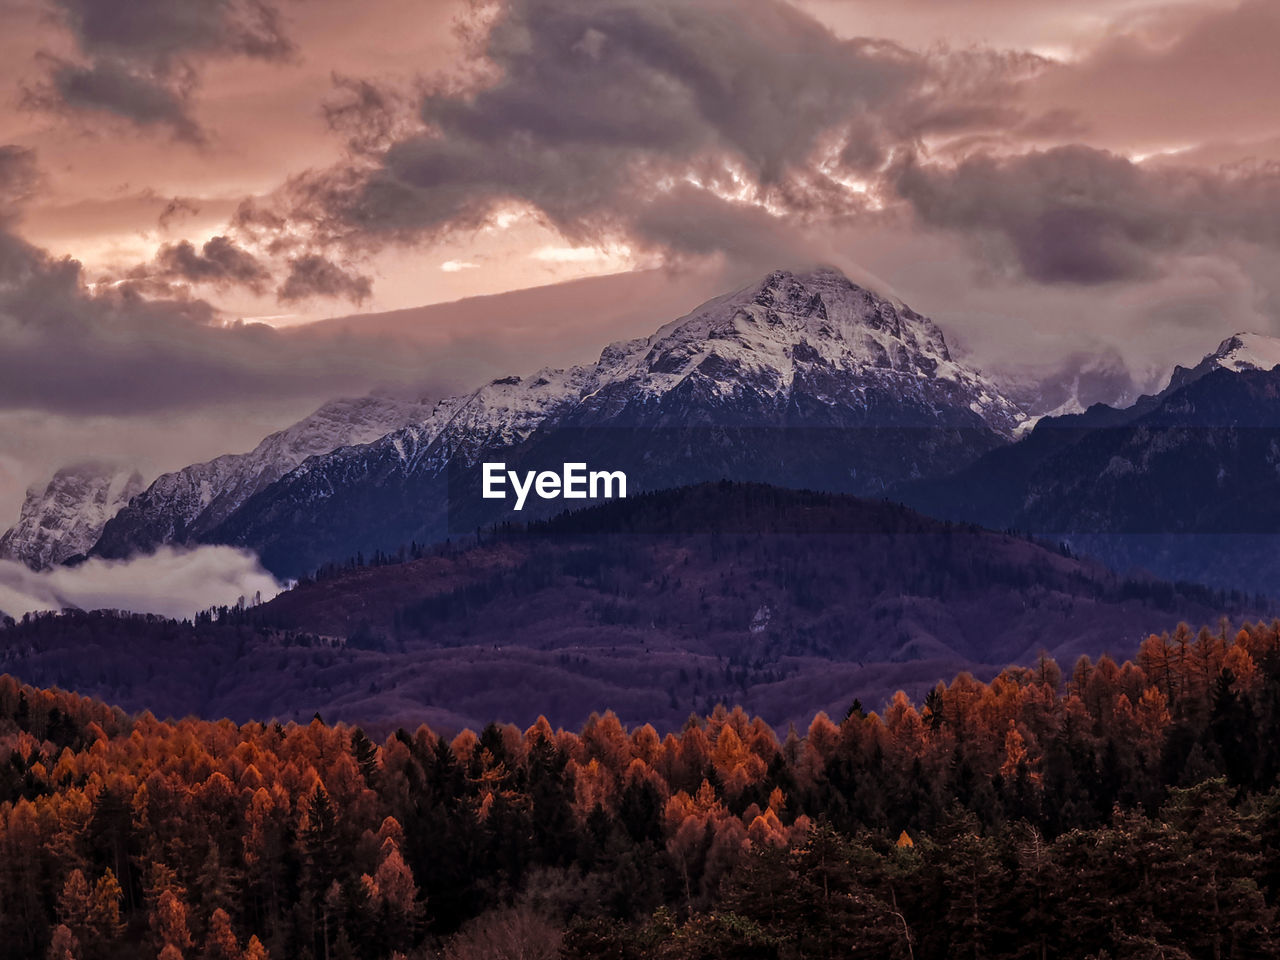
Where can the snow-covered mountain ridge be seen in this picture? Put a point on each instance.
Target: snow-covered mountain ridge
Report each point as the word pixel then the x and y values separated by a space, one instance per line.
pixel 179 506
pixel 64 518
pixel 793 350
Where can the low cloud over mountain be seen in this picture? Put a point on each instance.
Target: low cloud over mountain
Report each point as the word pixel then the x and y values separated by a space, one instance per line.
pixel 170 582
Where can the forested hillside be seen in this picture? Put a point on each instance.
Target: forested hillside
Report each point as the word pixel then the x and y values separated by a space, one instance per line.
pixel 1182 484
pixel 1124 811
pixel 785 602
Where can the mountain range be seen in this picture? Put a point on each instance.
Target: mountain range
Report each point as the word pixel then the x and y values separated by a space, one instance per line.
pixel 64 520
pixel 801 379
pixel 184 506
pixel 1183 483
pixel 804 379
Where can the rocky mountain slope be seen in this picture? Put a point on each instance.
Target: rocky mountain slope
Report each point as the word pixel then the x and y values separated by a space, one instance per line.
pixel 64 518
pixel 182 506
pixel 800 379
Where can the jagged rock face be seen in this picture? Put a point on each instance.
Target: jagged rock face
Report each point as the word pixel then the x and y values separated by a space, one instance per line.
pixel 804 380
pixel 180 507
pixel 63 519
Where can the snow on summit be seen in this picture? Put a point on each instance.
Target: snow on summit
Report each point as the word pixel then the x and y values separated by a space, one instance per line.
pixel 64 518
pixel 1247 351
pixel 759 340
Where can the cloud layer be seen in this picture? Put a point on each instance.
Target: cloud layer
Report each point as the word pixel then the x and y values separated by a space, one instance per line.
pixel 687 128
pixel 138 60
pixel 172 583
pixel 73 347
pixel 1080 215
pixel 608 119
pixel 144 344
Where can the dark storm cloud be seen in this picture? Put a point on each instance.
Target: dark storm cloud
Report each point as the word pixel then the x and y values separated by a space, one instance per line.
pixel 161 29
pixel 688 221
pixel 145 96
pixel 694 127
pixel 220 262
pixel 311 275
pixel 69 346
pixel 587 112
pixel 1080 215
pixel 755 79
pixel 138 59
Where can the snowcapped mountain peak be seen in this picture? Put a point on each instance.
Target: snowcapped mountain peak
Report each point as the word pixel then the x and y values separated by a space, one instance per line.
pixel 63 519
pixel 789 318
pixel 1247 351
pixel 1240 351
pixel 809 337
pixel 762 343
pixel 508 409
pixel 794 327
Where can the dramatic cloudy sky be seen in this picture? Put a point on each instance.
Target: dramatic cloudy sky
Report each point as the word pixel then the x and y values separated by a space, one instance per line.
pixel 187 185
